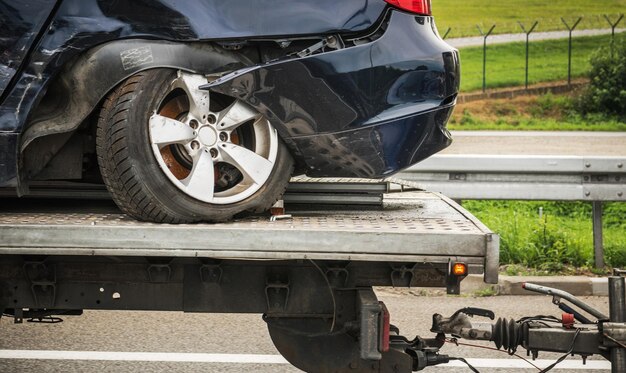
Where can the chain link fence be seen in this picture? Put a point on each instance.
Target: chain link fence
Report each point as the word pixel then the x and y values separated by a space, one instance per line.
pixel 566 24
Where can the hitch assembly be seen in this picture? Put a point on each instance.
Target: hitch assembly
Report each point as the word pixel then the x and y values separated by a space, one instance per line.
pixel 572 334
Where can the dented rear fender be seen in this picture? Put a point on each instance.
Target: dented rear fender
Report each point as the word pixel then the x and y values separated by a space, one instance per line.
pixel 369 110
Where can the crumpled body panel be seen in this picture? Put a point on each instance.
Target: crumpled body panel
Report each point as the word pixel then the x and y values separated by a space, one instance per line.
pixel 78 25
pixel 21 23
pixel 365 111
pixel 39 38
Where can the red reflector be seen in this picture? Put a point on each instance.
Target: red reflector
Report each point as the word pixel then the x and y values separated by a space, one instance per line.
pixel 385 328
pixel 567 320
pixel 421 7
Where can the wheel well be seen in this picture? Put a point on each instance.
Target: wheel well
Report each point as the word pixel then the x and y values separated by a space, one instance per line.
pixel 61 124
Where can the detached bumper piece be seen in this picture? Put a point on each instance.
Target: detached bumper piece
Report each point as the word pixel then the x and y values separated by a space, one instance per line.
pixel 365 111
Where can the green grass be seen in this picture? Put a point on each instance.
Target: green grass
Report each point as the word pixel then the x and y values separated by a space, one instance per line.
pixel 562 236
pixel 533 113
pixel 462 16
pixel 547 62
pixel 488 291
pixel 468 123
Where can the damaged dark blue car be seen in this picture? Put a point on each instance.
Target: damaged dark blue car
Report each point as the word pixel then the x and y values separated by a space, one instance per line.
pixel 200 110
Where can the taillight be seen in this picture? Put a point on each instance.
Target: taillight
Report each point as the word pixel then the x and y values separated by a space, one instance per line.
pixel 385 328
pixel 421 7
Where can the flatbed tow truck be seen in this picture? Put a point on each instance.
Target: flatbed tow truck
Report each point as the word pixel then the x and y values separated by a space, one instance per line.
pixel 310 274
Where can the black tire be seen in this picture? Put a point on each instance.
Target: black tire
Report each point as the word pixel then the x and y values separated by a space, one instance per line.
pixel 132 174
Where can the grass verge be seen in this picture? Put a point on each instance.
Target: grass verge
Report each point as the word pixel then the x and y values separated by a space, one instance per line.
pixel 462 16
pixel 530 113
pixel 547 62
pixel 551 237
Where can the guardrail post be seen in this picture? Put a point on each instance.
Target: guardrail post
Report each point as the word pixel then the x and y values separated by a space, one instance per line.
pixel 569 48
pixel 485 36
pixel 613 26
pixel 598 248
pixel 527 41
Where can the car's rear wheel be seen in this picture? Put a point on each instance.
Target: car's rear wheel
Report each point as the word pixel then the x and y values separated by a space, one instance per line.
pixel 169 152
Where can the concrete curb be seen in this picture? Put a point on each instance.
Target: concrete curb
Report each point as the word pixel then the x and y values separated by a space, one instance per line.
pixel 512 285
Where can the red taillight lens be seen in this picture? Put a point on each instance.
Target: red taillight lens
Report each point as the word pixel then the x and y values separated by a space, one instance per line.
pixel 421 7
pixel 385 328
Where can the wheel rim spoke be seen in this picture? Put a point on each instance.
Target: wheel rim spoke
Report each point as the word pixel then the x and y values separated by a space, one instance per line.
pixel 201 180
pixel 252 166
pixel 198 99
pixel 235 115
pixel 164 131
pixel 196 149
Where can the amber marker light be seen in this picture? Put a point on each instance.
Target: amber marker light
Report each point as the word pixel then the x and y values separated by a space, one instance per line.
pixel 459 269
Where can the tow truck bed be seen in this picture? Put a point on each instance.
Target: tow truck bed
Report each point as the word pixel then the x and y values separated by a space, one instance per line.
pixel 412 226
pixel 311 276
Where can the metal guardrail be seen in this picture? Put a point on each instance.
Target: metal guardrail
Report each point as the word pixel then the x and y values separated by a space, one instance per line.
pixel 523 177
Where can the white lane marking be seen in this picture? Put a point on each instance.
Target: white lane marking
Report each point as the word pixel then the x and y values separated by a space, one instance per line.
pixel 265 359
pixel 142 356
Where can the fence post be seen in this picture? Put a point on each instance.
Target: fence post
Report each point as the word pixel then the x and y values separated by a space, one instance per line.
pixel 527 41
pixel 598 247
pixel 445 35
pixel 613 26
pixel 569 48
pixel 485 36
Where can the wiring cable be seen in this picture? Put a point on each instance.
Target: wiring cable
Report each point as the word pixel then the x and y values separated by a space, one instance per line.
pixel 547 369
pixel 564 356
pixel 614 340
pixel 539 318
pixel 465 361
pixel 332 294
pixel 456 342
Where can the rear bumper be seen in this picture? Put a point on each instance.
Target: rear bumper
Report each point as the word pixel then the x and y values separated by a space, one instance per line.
pixel 368 110
pixel 378 150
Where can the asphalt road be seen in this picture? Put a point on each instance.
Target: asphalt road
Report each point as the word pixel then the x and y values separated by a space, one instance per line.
pixel 171 338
